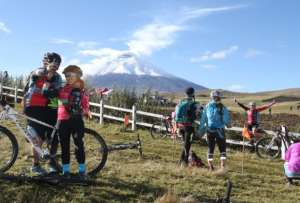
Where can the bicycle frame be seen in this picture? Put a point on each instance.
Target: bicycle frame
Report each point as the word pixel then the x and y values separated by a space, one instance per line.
pixel 10 114
pixel 280 137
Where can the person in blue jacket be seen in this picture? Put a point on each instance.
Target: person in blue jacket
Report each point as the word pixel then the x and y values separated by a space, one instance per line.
pixel 213 121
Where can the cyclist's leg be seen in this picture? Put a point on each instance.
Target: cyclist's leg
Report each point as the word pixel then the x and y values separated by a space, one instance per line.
pixel 52 120
pixel 221 142
pixel 187 143
pixel 78 135
pixel 64 138
pixel 182 132
pixel 211 142
pixel 37 130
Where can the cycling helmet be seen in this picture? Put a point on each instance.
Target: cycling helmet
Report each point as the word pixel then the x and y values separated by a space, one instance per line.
pixel 73 69
pixel 252 104
pixel 215 93
pixel 52 57
pixel 190 91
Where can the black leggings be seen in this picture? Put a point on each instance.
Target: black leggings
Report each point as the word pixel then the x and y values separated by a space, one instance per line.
pixel 74 127
pixel 187 132
pixel 213 137
pixel 51 119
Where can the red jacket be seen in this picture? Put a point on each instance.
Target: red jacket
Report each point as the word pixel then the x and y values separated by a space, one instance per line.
pixel 34 96
pixel 63 102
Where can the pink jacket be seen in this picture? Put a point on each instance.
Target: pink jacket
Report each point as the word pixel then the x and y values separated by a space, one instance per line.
pixel 63 102
pixel 292 156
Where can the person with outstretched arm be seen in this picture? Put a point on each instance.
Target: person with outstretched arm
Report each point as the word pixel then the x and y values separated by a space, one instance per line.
pixel 253 114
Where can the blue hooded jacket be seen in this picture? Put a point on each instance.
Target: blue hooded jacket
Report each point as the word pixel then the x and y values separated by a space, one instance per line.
pixel 214 117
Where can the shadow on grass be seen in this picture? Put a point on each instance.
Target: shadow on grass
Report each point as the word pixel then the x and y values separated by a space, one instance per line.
pixel 106 190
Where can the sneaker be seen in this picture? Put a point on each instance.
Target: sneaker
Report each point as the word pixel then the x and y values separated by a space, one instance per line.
pixel 38 170
pixel 67 175
pixel 52 169
pixel 82 175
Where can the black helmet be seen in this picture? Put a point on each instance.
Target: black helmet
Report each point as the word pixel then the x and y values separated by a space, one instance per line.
pixel 52 57
pixel 190 91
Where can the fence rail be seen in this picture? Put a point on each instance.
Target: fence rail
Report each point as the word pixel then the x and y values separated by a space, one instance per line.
pixel 133 111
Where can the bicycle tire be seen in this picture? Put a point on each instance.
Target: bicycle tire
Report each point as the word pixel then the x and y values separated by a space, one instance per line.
pixel 101 148
pixel 264 151
pixel 4 132
pixel 157 132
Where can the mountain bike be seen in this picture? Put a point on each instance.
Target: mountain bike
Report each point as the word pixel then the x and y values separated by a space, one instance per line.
pixel 270 147
pixel 124 146
pixel 165 128
pixel 95 147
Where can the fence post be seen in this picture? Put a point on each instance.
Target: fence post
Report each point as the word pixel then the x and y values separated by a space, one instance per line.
pixel 16 94
pixel 101 112
pixel 133 127
pixel 1 89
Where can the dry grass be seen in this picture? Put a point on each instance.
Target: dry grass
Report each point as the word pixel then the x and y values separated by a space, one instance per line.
pixel 158 178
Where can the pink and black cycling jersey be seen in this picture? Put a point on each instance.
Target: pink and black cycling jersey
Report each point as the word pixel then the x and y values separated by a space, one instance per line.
pixel 253 114
pixel 64 97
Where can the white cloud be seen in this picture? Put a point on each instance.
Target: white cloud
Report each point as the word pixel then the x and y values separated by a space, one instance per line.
pixel 236 87
pixel 87 44
pixel 189 14
pixel 61 41
pixel 161 34
pixel 252 53
pixel 209 66
pixel 103 52
pixel 149 38
pixel 80 44
pixel 217 55
pixel 152 37
pixel 4 28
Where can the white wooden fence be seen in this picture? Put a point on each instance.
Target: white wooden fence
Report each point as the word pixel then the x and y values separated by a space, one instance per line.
pixel 134 112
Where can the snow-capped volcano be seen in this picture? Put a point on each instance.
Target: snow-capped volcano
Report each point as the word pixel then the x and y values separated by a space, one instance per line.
pixel 118 62
pixel 121 69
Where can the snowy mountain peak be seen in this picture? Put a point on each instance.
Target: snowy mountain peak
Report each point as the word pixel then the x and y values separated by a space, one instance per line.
pixel 121 63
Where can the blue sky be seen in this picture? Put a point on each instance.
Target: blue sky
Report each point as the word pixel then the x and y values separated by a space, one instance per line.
pixel 241 45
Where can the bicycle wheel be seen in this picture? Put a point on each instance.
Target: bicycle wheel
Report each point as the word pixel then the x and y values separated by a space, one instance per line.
pixel 95 153
pixel 8 149
pixel 267 148
pixel 158 130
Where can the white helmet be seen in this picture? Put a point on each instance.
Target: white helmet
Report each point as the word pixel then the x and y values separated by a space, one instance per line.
pixel 215 93
pixel 252 104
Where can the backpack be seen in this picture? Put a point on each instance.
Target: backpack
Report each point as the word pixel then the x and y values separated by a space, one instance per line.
pixel 75 102
pixel 220 107
pixel 186 111
pixel 195 161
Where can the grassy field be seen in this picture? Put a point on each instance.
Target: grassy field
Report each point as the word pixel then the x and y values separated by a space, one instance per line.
pixel 126 178
pixel 283 98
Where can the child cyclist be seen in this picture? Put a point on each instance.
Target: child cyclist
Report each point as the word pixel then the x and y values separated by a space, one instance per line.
pixel 73 104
